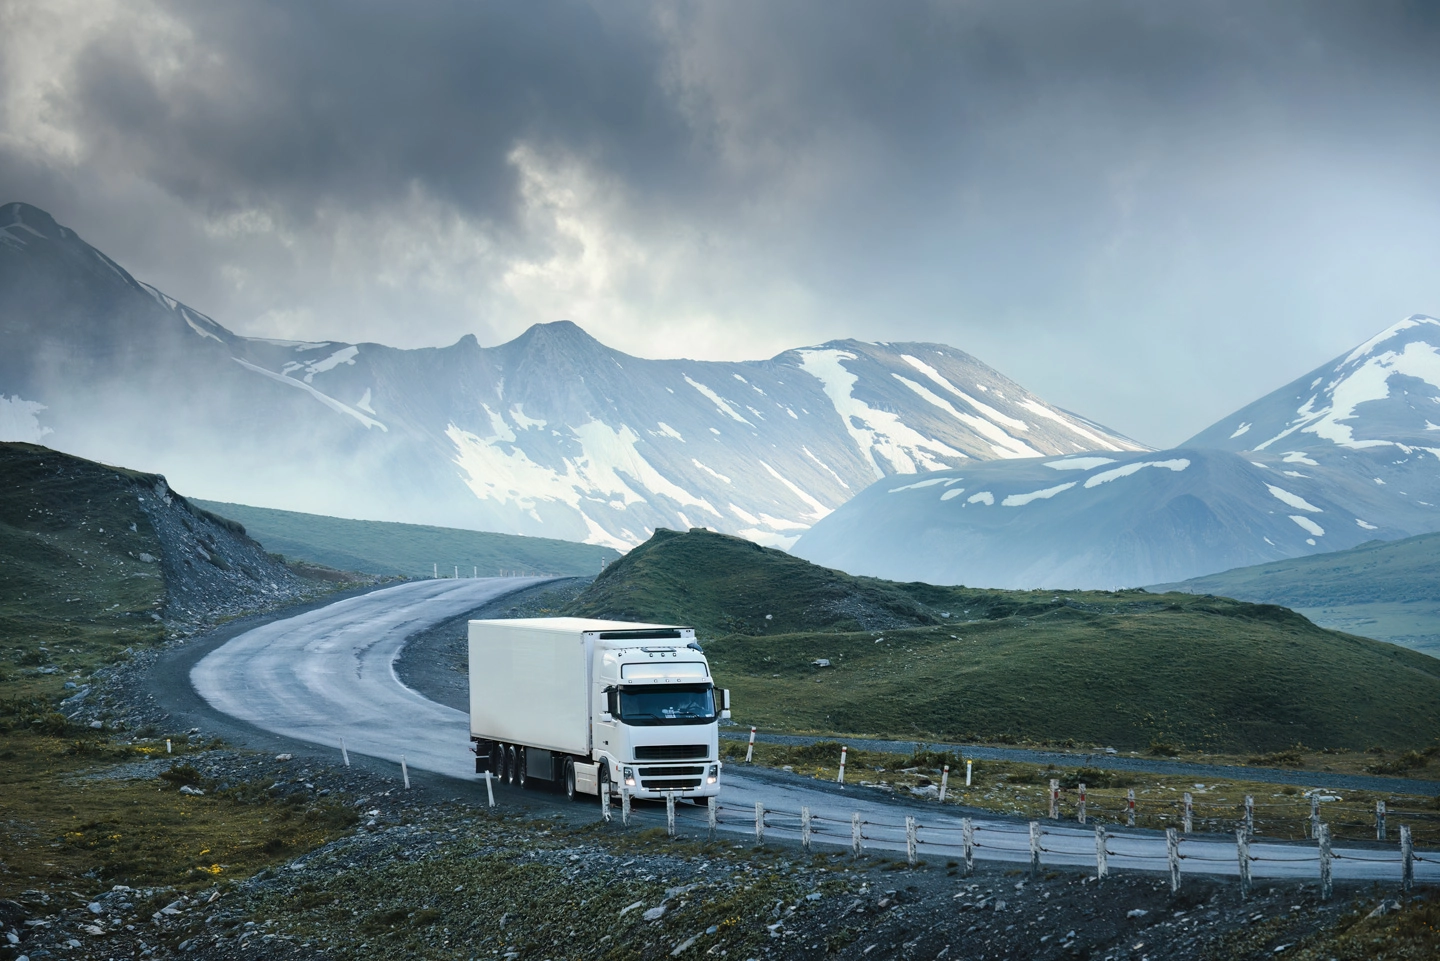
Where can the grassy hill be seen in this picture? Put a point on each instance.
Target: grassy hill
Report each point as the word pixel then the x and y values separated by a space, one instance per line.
pixel 411 550
pixel 1128 669
pixel 1384 589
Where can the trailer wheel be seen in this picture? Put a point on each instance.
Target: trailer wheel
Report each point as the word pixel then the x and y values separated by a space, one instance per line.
pixel 497 762
pixel 570 779
pixel 519 757
pixel 510 764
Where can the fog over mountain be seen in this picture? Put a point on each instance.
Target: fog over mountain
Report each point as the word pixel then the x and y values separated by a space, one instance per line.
pixel 550 434
pixel 1348 453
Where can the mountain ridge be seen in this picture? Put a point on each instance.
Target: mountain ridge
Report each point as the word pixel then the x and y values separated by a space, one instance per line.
pixel 549 434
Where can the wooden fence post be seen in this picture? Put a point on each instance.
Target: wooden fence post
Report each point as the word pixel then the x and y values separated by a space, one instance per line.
pixel 910 840
pixel 1407 860
pixel 1034 849
pixel 1102 854
pixel 1314 815
pixel 1172 855
pixel 1242 854
pixel 670 815
pixel 1327 884
pixel 712 814
pixel 759 822
pixel 1130 808
pixel 604 798
pixel 1379 820
pixel 625 806
pixel 967 837
pixel 1054 799
pixel 805 829
pixel 1249 817
pixel 855 834
pixel 1080 811
pixel 1188 821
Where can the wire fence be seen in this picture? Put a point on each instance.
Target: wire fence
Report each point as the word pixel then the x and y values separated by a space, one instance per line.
pixel 1059 842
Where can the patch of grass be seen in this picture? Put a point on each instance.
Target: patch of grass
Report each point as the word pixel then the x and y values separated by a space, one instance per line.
pixel 410 550
pixel 1125 669
pixel 70 816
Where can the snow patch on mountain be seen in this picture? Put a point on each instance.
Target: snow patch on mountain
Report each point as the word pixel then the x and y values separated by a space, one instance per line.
pixel 1020 500
pixel 1292 500
pixel 323 398
pixel 1079 463
pixel 1125 470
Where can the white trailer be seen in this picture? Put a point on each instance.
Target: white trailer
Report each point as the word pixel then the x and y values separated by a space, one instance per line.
pixel 595 706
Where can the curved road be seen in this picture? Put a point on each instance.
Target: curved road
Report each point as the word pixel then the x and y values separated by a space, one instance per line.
pixel 328 675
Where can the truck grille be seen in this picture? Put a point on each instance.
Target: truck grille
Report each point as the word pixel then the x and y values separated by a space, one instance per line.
pixel 649 772
pixel 671 752
pixel 671 784
pixel 671 778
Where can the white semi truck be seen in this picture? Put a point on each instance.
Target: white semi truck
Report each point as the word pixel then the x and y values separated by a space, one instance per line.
pixel 595 706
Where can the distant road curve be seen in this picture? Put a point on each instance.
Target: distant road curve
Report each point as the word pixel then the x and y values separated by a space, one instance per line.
pixel 328 674
pixel 1121 762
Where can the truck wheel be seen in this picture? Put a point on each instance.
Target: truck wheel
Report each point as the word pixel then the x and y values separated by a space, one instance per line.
pixel 510 764
pixel 570 779
pixel 520 768
pixel 497 762
pixel 602 781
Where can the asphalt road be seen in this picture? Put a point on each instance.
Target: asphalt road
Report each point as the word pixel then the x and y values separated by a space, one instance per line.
pixel 328 674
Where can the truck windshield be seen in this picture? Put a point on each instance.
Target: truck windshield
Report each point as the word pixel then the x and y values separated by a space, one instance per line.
pixel 667 704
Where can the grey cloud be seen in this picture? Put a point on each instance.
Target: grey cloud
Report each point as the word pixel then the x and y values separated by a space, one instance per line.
pixel 1150 213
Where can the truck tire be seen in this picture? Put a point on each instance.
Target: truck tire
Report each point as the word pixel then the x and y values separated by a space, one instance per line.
pixel 510 764
pixel 520 774
pixel 497 762
pixel 570 779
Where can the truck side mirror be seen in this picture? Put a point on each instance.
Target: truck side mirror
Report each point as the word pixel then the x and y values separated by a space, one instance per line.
pixel 725 704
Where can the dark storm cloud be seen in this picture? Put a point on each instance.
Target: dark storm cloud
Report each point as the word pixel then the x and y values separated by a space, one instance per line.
pixel 1108 201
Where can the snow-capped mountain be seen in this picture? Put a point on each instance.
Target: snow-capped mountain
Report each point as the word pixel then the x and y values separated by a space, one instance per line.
pixel 1346 454
pixel 550 434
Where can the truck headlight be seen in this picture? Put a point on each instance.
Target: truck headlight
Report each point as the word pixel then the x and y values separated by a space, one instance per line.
pixel 714 773
pixel 629 777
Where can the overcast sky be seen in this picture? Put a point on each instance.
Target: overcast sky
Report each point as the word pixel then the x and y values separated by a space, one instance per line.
pixel 1149 213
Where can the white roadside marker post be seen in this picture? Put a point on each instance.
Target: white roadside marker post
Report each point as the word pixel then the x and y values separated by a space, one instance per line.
pixel 805 829
pixel 910 841
pixel 1102 854
pixel 490 793
pixel 1130 808
pixel 344 754
pixel 404 772
pixel 1172 855
pixel 605 801
pixel 967 773
pixel 841 776
pixel 1379 820
pixel 168 748
pixel 1407 860
pixel 1034 850
pixel 944 781
pixel 1242 854
pixel 750 748
pixel 967 836
pixel 1327 883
